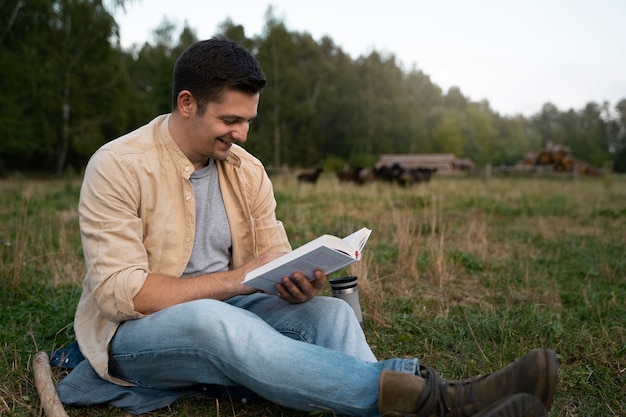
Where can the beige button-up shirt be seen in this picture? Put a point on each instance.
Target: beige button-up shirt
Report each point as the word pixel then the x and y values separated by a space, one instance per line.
pixel 137 216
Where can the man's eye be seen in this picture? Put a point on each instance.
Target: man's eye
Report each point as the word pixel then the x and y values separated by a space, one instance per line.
pixel 230 122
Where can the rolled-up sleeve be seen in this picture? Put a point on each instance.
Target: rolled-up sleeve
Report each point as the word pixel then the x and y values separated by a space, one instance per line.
pixel 112 234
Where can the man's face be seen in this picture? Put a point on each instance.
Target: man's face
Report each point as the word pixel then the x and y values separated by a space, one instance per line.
pixel 212 134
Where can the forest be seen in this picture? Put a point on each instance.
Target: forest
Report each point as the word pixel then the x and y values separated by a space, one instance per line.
pixel 68 87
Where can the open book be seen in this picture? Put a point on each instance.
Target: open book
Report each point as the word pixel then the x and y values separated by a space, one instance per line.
pixel 327 252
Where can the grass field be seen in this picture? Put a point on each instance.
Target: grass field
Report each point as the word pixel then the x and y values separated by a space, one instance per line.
pixel 463 273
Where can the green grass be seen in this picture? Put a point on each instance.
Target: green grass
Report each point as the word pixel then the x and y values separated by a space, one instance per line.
pixel 465 274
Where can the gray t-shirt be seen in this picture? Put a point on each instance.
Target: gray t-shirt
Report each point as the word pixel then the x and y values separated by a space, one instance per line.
pixel 212 244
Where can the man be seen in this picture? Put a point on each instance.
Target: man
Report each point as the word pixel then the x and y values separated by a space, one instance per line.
pixel 172 217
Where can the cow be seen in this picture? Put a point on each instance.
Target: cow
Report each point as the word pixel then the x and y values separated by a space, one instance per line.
pixel 310 177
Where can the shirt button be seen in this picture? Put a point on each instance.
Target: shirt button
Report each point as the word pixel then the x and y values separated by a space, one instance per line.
pixel 188 198
pixel 188 240
pixel 187 169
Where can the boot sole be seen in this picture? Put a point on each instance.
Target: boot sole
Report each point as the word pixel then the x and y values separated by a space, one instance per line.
pixel 516 405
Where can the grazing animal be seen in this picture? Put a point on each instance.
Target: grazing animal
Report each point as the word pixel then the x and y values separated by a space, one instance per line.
pixel 366 175
pixel 347 175
pixel 357 175
pixel 310 177
pixel 389 174
pixel 404 176
pixel 422 174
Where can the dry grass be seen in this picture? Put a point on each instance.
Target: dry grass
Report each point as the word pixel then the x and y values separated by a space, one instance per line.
pixel 466 274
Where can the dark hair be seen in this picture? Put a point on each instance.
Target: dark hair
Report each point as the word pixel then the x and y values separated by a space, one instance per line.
pixel 208 67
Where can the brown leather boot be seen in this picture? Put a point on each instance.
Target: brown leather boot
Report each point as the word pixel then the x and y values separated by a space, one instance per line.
pixel 402 394
pixel 516 405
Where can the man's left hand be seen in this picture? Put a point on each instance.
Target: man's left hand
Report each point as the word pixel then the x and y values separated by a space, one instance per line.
pixel 298 289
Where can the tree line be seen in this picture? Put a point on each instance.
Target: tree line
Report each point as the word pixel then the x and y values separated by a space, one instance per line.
pixel 68 87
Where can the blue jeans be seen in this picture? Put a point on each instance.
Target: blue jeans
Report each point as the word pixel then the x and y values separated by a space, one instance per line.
pixel 310 356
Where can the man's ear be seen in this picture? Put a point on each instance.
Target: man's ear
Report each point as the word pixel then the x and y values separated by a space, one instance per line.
pixel 185 103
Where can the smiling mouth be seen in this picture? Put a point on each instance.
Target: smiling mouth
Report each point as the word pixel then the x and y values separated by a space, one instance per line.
pixel 225 142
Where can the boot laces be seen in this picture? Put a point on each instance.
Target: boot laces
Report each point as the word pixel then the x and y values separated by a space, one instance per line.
pixel 435 394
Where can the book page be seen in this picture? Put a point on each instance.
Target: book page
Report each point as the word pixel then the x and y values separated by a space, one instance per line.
pixel 324 258
pixel 327 252
pixel 358 239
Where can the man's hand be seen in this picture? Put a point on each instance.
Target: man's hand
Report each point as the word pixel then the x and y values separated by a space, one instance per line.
pixel 298 289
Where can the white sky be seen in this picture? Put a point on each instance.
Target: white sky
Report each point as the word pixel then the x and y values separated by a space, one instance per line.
pixel 516 54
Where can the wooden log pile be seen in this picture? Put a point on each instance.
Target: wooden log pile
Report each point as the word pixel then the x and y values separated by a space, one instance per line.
pixel 561 159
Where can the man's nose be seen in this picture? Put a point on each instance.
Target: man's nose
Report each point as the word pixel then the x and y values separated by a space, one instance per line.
pixel 240 133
